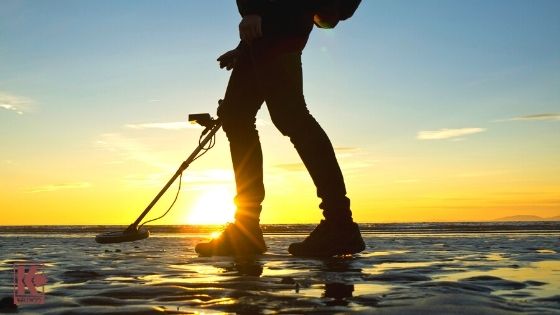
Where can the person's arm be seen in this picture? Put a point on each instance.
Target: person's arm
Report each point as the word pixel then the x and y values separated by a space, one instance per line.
pixel 229 58
pixel 326 13
pixel 250 27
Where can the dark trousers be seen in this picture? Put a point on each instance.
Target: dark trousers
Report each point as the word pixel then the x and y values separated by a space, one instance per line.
pixel 277 80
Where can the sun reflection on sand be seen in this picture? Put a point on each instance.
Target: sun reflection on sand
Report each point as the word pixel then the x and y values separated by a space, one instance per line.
pixel 398 265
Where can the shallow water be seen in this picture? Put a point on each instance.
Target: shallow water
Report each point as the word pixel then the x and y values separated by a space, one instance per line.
pixel 399 273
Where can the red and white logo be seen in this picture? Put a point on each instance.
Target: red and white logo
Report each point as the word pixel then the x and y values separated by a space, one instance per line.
pixel 29 283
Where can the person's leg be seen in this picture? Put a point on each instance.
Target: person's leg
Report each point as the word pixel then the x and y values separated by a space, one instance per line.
pixel 237 113
pixel 283 86
pixel 281 79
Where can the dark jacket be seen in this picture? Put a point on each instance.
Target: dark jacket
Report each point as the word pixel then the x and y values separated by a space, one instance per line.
pixel 286 24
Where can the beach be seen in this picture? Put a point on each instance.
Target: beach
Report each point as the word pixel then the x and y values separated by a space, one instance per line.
pixel 467 268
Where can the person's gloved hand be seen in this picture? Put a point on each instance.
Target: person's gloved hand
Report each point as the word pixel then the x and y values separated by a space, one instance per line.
pixel 250 28
pixel 228 59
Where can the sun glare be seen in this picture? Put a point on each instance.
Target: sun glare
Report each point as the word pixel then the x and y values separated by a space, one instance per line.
pixel 215 234
pixel 214 206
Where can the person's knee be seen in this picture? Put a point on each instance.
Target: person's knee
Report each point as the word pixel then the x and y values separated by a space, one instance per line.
pixel 236 125
pixel 239 129
pixel 294 126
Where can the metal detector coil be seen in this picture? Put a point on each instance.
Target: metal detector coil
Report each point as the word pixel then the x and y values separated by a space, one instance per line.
pixel 135 231
pixel 122 236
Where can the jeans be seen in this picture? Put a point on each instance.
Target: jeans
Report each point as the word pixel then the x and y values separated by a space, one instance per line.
pixel 277 80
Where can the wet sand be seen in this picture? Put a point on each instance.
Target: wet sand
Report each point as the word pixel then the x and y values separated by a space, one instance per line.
pixel 399 273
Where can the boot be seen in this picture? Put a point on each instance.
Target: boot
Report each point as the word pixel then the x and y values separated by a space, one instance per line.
pixel 330 238
pixel 238 239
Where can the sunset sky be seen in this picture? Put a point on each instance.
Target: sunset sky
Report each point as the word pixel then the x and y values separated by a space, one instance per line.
pixel 438 110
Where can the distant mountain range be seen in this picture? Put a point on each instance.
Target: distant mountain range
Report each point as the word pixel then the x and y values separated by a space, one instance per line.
pixel 527 218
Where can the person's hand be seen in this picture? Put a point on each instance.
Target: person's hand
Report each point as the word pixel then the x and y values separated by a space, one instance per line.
pixel 228 59
pixel 250 28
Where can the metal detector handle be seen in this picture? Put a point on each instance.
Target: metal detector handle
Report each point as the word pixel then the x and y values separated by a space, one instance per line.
pixel 212 131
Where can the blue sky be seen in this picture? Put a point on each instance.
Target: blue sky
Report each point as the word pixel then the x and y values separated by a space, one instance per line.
pixel 74 72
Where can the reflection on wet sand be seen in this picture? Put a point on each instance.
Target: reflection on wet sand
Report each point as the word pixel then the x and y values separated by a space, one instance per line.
pixel 338 293
pixel 495 274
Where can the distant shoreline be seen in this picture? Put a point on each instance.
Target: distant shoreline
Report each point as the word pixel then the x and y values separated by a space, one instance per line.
pixel 526 218
pixel 376 228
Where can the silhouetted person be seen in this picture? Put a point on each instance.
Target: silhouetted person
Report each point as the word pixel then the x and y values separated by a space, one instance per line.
pixel 267 68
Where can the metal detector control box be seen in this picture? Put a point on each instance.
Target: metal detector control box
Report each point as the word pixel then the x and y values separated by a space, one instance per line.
pixel 204 120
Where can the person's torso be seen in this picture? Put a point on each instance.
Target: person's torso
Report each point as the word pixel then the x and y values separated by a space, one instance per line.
pixel 284 20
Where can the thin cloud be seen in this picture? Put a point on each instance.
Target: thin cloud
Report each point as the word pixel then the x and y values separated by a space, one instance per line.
pixel 346 152
pixel 535 117
pixel 447 133
pixel 176 125
pixel 17 104
pixel 130 149
pixel 180 125
pixel 11 107
pixel 193 177
pixel 56 187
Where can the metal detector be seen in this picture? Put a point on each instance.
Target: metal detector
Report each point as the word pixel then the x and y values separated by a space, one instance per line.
pixel 136 231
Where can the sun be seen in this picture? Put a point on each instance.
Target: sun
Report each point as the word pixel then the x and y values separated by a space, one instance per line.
pixel 214 206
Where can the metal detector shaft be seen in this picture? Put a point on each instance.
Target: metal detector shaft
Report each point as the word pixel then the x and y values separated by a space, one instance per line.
pixel 181 169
